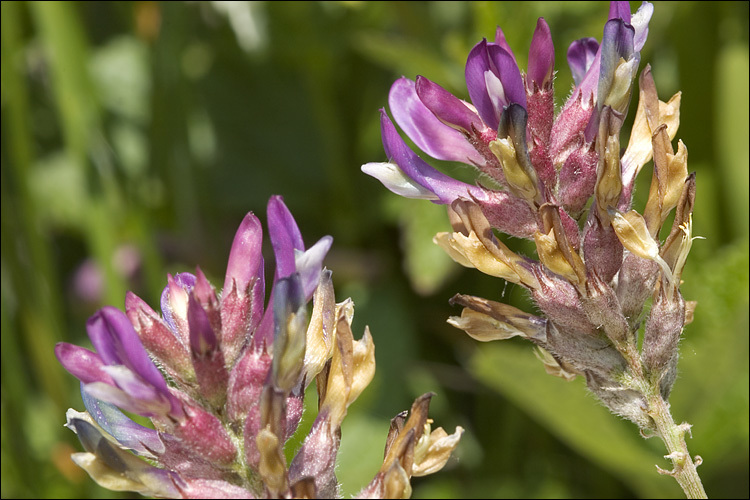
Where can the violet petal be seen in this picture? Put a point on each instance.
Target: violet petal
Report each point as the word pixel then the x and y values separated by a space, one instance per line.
pixel 446 188
pixel 83 364
pixel 581 55
pixel 131 435
pixel 422 126
pixel 285 236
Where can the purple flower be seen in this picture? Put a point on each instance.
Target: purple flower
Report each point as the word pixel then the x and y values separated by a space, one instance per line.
pixel 237 376
pixel 559 180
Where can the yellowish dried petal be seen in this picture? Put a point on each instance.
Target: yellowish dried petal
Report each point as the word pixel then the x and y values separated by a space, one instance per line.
pixel 551 366
pixel 443 240
pixel 434 449
pixel 634 235
pixel 291 357
pixel 690 306
pixel 552 257
pixel 320 331
pixel 487 320
pixel 676 174
pixel 609 176
pixel 482 327
pixel 647 119
pixel 481 257
pixel 107 477
pixel 396 482
pixel 364 365
pixel 272 466
pixel 517 177
pixel 352 369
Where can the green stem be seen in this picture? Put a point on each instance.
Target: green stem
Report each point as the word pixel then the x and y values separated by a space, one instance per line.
pixel 673 435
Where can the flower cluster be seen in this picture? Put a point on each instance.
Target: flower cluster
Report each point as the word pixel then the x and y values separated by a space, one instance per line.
pixel 223 379
pixel 559 179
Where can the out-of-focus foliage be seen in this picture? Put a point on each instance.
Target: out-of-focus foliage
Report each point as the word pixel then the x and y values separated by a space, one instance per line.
pixel 136 135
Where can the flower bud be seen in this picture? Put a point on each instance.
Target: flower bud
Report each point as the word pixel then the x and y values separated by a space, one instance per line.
pixel 662 333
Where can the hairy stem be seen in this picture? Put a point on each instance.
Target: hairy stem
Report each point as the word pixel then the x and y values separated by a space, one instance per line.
pixel 673 435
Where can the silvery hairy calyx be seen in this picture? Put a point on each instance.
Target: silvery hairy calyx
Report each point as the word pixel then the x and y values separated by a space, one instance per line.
pixel 222 379
pixel 607 287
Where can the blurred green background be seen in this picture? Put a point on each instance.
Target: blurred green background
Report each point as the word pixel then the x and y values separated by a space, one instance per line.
pixel 136 135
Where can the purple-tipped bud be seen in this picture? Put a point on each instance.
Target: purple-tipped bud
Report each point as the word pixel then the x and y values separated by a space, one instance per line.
pixel 317 458
pixel 208 359
pixel 493 81
pixel 541 57
pixel 620 10
pixel 662 333
pixel 159 340
pixel 603 309
pixel 244 288
pixel 202 337
pixel 602 249
pixel 577 179
pixel 245 257
pixel 206 296
pixel 174 304
pixel 503 43
pixel 204 434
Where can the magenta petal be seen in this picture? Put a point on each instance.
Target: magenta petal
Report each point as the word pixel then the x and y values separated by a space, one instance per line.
pixel 448 108
pixel 541 56
pixel 83 364
pixel 422 126
pixel 581 55
pixel 446 188
pixel 285 236
pixel 245 256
